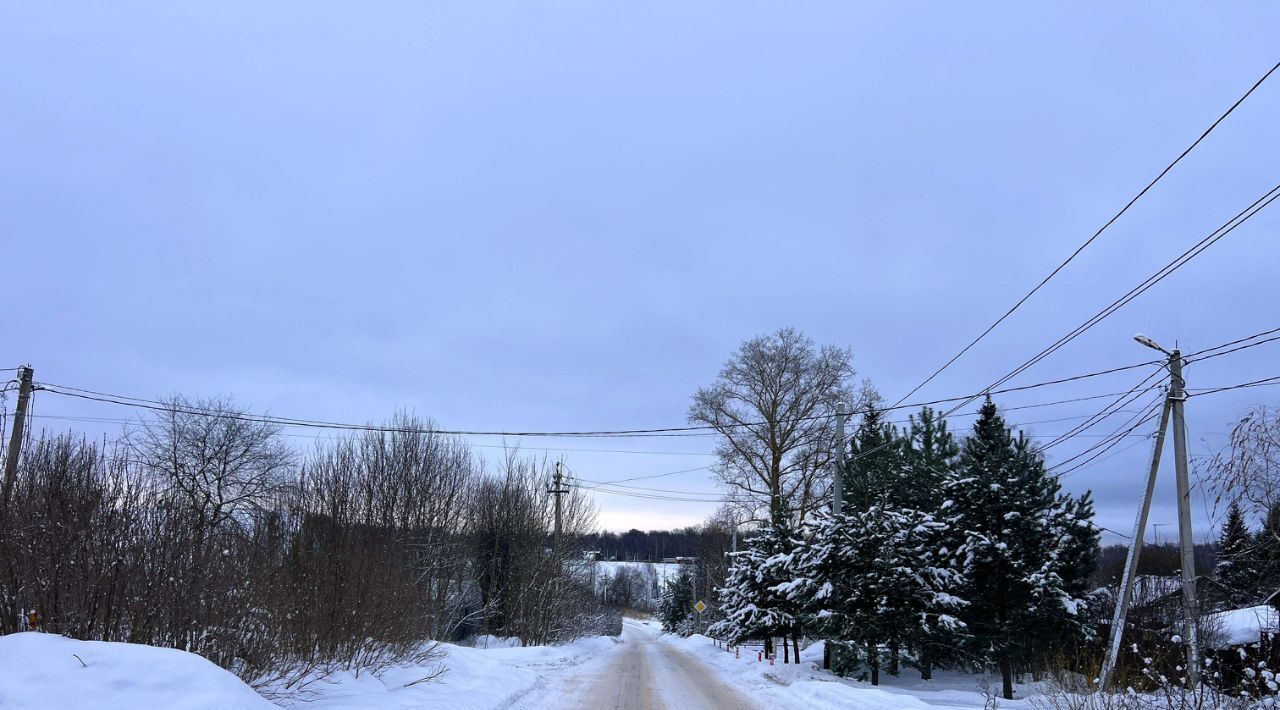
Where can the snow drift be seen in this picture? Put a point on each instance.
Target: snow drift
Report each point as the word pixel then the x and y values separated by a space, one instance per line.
pixel 47 671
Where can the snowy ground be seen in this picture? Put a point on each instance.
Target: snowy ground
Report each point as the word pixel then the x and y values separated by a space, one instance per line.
pixel 47 672
pixel 642 669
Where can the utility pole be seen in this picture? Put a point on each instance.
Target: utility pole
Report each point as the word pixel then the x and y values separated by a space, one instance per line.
pixel 1173 405
pixel 837 478
pixel 837 502
pixel 1190 621
pixel 25 374
pixel 1135 549
pixel 558 490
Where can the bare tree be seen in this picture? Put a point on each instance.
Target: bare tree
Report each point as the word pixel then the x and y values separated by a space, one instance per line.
pixel 772 405
pixel 214 458
pixel 1247 470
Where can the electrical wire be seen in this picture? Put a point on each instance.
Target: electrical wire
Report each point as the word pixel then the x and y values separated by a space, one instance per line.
pixel 155 405
pixel 1096 234
pixel 1197 249
pixel 1234 342
pixel 1256 383
pixel 1238 348
pixel 1106 412
pixel 1106 444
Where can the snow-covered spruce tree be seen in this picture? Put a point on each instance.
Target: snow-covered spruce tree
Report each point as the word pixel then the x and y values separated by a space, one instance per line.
pixel 1026 551
pixel 873 472
pixel 872 578
pixel 898 476
pixel 1236 573
pixel 929 457
pixel 756 599
pixel 675 604
pixel 1265 557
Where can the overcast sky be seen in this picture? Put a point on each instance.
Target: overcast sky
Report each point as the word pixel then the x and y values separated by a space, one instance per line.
pixel 563 216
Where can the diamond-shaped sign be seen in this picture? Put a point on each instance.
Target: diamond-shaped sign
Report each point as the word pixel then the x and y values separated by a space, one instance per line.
pixel 700 606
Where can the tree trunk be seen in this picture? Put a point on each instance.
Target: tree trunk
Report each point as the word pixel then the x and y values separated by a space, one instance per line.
pixel 795 646
pixel 926 666
pixel 768 647
pixel 873 660
pixel 895 659
pixel 1006 674
pixel 786 650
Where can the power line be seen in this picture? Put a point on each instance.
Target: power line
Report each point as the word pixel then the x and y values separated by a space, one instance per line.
pixel 1256 383
pixel 1106 412
pixel 1096 234
pixel 117 420
pixel 1234 342
pixel 1235 349
pixel 1107 444
pixel 1208 241
pixel 155 405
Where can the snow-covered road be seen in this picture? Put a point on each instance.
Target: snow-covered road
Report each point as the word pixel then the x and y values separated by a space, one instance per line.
pixel 642 673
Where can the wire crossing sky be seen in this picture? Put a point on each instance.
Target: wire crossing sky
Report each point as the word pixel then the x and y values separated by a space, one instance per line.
pixel 565 217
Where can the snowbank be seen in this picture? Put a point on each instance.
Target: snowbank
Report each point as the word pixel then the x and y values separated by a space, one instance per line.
pixel 42 672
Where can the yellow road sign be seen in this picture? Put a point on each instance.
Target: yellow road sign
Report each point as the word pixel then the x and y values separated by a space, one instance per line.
pixel 700 606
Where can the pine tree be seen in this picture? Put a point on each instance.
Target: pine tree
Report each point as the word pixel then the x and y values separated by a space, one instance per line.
pixel 1236 572
pixel 929 457
pixel 757 600
pixel 873 471
pixel 1265 557
pixel 1026 549
pixel 892 478
pixel 675 604
pixel 873 578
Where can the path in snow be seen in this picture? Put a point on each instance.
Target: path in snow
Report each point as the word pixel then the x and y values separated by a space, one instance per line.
pixel 646 674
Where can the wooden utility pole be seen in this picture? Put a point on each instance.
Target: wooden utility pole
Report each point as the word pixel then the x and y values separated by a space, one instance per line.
pixel 25 374
pixel 1173 405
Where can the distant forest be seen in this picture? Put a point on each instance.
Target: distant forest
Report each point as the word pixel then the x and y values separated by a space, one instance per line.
pixel 651 546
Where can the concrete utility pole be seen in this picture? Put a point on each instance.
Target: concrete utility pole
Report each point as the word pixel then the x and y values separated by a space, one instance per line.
pixel 837 479
pixel 837 501
pixel 1173 405
pixel 1135 549
pixel 558 490
pixel 1190 610
pixel 25 374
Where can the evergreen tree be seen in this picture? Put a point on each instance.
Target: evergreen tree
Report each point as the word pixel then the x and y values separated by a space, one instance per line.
pixel 757 600
pixel 873 470
pixel 1236 572
pixel 675 604
pixel 873 579
pixel 1265 557
pixel 1026 549
pixel 929 457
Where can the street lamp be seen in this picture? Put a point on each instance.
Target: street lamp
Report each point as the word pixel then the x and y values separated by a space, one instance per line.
pixel 1150 343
